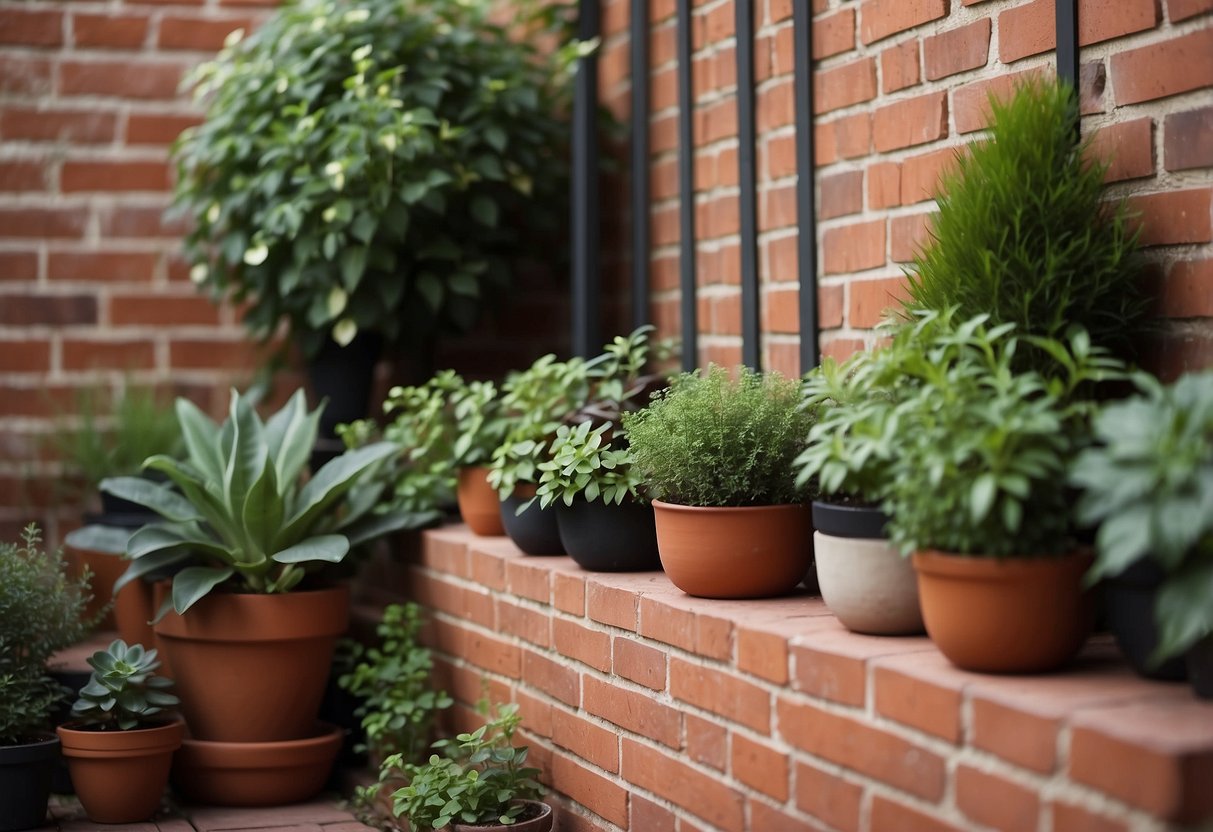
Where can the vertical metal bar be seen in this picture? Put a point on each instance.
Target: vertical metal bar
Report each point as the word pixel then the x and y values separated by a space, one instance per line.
pixel 638 40
pixel 1066 20
pixel 686 190
pixel 806 203
pixel 586 333
pixel 747 199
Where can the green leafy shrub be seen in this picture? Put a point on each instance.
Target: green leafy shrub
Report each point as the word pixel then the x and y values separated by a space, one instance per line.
pixel 586 463
pixel 375 166
pixel 41 611
pixel 1024 235
pixel 123 691
pixel 392 679
pixel 475 780
pixel 1148 482
pixel 713 441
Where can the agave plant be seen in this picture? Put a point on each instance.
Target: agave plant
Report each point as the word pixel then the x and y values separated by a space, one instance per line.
pixel 242 511
pixel 124 692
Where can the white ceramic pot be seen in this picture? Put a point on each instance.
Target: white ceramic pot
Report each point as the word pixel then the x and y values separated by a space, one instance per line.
pixel 869 586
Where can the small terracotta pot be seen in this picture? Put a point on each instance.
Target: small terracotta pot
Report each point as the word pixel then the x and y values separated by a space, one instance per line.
pixel 1005 615
pixel 478 503
pixel 120 776
pixel 542 822
pixel 252 668
pixel 734 552
pixel 256 773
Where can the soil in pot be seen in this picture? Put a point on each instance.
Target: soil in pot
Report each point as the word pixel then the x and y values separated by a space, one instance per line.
pixel 537 817
pixel 120 776
pixel 609 538
pixel 748 552
pixel 1012 615
pixel 252 668
pixel 1129 609
pixel 256 773
pixel 534 531
pixel 25 782
pixel 478 503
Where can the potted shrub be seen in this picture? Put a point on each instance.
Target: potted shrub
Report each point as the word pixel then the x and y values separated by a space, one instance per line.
pixel 1148 482
pixel 719 453
pixel 371 174
pixel 863 578
pixel 479 782
pixel 248 621
pixel 41 613
pixel 977 491
pixel 603 513
pixel 120 742
pixel 1025 235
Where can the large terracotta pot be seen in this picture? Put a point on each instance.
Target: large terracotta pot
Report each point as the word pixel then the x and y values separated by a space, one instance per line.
pixel 537 818
pixel 252 668
pixel 25 782
pixel 732 552
pixel 120 776
pixel 256 773
pixel 1005 615
pixel 478 503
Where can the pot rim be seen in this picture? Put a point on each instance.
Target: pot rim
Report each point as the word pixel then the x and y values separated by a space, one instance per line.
pixel 39 749
pixel 788 507
pixel 299 753
pixel 850 521
pixel 251 616
pixel 983 567
pixel 134 742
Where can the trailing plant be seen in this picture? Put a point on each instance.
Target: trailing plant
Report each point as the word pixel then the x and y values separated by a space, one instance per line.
pixel 983 448
pixel 376 167
pixel 588 464
pixel 1148 482
pixel 1024 235
pixel 245 517
pixel 392 679
pixel 41 613
pixel 476 778
pixel 123 691
pixel 714 441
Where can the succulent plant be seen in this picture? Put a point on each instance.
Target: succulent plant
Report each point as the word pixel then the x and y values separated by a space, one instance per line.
pixel 123 692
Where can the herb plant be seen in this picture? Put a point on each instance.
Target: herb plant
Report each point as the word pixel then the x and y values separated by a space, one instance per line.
pixel 375 166
pixel 41 613
pixel 123 692
pixel 586 463
pixel 1148 481
pixel 476 779
pixel 1024 234
pixel 398 706
pixel 244 514
pixel 714 441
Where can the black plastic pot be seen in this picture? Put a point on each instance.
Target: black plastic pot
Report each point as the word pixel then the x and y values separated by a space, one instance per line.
pixel 609 538
pixel 534 531
pixel 73 680
pixel 344 376
pixel 1129 610
pixel 839 520
pixel 1200 667
pixel 25 782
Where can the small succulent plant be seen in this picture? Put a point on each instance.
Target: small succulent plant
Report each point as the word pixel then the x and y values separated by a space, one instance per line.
pixel 123 692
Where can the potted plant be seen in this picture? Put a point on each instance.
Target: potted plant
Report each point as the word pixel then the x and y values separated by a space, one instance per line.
pixel 603 514
pixel 1024 232
pixel 120 743
pixel 1148 482
pixel 133 606
pixel 977 491
pixel 479 782
pixel 371 174
pixel 719 453
pixel 41 613
pixel 863 579
pixel 248 621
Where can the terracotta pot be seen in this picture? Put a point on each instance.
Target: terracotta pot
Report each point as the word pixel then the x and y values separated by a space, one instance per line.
pixel 1005 615
pixel 256 773
pixel 120 776
pixel 541 822
pixel 868 585
pixel 478 502
pixel 134 608
pixel 106 567
pixel 750 552
pixel 252 668
pixel 25 782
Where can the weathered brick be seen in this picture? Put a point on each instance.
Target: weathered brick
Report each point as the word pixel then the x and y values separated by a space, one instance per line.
pixel 1164 68
pixel 1188 139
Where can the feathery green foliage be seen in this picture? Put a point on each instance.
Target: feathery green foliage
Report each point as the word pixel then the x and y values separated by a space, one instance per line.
pixel 714 441
pixel 124 691
pixel 1023 233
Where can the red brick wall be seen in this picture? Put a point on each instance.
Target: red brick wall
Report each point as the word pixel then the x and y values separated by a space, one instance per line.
pixel 899 84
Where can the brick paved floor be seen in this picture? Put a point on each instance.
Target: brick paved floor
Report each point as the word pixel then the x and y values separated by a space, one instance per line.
pixel 321 815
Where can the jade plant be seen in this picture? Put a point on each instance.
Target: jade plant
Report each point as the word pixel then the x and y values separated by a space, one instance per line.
pixel 238 510
pixel 123 692
pixel 377 166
